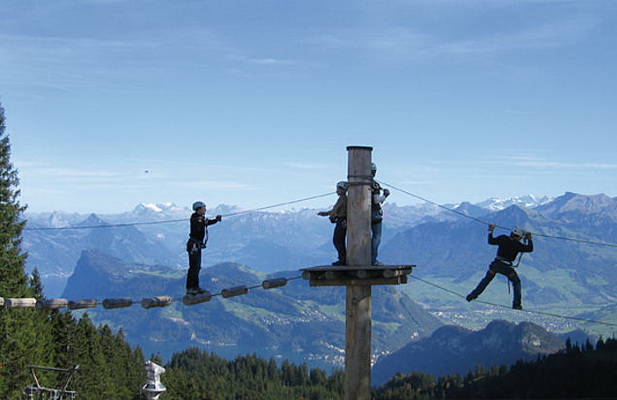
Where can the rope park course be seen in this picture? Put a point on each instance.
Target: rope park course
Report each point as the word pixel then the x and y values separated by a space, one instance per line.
pixel 358 275
pixel 163 301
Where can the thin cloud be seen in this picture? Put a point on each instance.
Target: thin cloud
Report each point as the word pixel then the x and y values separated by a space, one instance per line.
pixel 266 61
pixel 538 160
pixel 553 164
pixel 408 43
pixel 306 166
pixel 75 62
pixel 550 35
pixel 214 185
pixel 66 172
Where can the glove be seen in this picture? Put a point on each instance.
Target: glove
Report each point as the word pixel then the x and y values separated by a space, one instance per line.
pixel 323 213
pixel 219 217
pixel 527 235
pixel 491 227
pixel 386 192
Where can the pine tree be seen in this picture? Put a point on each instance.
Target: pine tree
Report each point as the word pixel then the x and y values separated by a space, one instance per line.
pixel 23 340
pixel 50 338
pixel 12 277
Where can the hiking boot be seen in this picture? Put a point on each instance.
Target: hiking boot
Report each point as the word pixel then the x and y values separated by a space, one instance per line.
pixel 470 297
pixel 377 263
pixel 517 306
pixel 195 291
pixel 339 262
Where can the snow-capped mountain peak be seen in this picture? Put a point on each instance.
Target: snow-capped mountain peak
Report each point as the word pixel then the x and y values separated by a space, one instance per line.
pixel 528 201
pixel 157 207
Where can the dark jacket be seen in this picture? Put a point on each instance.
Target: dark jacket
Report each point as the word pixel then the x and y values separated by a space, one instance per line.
pixel 508 247
pixel 198 226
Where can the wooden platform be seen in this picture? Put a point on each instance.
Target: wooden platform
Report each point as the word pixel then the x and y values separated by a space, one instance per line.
pixel 329 275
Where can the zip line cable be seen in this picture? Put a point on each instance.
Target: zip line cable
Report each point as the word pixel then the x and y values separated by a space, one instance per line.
pixel 462 214
pixel 583 241
pixel 280 204
pixel 177 220
pixel 503 306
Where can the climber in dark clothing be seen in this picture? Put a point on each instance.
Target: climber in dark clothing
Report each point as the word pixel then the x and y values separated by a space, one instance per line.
pixel 509 247
pixel 197 241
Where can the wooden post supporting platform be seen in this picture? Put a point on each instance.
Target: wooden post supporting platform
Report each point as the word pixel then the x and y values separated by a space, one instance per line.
pixel 358 303
pixel 358 275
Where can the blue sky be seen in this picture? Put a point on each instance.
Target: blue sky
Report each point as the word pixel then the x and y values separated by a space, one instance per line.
pixel 253 103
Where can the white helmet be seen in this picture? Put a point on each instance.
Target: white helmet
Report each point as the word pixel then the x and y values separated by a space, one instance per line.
pixel 518 232
pixel 342 185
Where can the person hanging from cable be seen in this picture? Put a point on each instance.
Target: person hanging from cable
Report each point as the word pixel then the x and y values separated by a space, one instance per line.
pixel 509 247
pixel 377 199
pixel 197 241
pixel 338 216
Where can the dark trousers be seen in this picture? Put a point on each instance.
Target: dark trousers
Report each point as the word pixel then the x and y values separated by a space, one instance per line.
pixel 338 238
pixel 192 278
pixel 499 267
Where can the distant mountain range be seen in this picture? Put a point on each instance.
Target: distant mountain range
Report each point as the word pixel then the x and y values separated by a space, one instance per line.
pixel 294 322
pixel 455 350
pixel 575 272
pixel 529 201
pixel 574 277
pixel 265 241
pixel 143 255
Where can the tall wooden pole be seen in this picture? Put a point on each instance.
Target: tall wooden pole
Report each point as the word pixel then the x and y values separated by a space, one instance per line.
pixel 358 306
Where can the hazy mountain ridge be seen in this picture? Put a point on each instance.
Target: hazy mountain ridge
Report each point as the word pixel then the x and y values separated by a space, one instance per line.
pixel 302 323
pixel 468 250
pixel 455 350
pixel 295 322
pixel 559 275
pixel 267 241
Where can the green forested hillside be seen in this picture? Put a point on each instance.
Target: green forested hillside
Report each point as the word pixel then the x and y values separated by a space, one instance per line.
pixel 109 368
pixel 577 372
pixel 193 374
